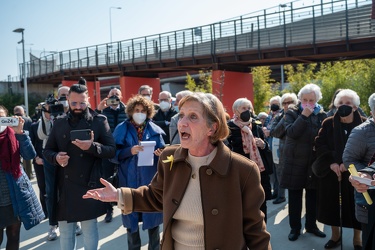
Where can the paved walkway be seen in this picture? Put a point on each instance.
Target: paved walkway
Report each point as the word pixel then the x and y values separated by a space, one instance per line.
pixel 113 235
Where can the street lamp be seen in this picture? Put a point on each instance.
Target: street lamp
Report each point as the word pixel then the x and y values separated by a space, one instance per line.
pixel 110 20
pixel 21 30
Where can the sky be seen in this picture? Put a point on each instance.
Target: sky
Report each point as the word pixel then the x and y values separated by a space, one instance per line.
pixel 69 24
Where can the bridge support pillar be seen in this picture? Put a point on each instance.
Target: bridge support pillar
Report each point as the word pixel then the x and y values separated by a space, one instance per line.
pixel 228 86
pixel 93 88
pixel 130 85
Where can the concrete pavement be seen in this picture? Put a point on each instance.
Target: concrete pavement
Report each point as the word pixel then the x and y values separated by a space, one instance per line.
pixel 113 235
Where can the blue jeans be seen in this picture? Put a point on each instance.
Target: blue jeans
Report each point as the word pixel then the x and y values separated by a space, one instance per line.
pixel 134 240
pixel 68 234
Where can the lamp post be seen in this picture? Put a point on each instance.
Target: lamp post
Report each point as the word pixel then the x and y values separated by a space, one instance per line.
pixel 110 20
pixel 21 30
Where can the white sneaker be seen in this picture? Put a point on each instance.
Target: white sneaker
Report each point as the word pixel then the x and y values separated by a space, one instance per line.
pixel 52 233
pixel 78 229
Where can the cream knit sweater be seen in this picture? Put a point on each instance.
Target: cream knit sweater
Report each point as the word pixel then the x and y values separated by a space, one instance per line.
pixel 187 229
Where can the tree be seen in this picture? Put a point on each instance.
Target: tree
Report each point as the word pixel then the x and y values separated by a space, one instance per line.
pixel 204 85
pixel 299 76
pixel 9 101
pixel 358 75
pixel 262 87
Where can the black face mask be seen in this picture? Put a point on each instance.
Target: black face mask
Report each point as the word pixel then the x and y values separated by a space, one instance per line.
pixel 275 107
pixel 245 116
pixel 344 110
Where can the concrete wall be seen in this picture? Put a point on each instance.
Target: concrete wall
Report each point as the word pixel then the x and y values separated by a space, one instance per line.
pixel 16 88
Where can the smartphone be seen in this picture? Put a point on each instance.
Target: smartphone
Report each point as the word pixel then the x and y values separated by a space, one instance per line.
pixel 82 134
pixel 113 101
pixel 9 121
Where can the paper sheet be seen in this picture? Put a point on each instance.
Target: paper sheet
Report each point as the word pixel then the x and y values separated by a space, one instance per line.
pixel 146 157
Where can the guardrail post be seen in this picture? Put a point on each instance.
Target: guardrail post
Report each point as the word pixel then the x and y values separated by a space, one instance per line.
pixel 347 25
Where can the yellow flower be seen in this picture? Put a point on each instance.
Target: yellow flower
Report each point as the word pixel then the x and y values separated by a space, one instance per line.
pixel 169 159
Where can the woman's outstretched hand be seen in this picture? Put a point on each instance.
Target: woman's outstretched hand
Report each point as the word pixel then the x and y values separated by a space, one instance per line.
pixel 106 194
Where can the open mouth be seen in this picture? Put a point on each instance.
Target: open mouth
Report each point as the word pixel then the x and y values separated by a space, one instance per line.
pixel 185 135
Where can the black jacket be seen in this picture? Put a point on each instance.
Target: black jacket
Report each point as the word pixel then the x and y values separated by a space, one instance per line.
pixel 159 119
pixel 73 179
pixel 114 117
pixel 235 144
pixel 298 148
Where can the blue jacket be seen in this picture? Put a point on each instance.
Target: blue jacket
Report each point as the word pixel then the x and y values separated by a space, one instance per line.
pixel 130 175
pixel 24 200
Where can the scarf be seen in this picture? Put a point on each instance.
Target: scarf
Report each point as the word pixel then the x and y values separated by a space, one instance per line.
pixel 248 142
pixel 10 153
pixel 139 129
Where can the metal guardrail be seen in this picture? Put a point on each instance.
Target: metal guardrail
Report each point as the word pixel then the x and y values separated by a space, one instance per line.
pixel 282 26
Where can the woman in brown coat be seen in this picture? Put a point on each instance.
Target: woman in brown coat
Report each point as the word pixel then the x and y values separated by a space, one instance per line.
pixel 210 196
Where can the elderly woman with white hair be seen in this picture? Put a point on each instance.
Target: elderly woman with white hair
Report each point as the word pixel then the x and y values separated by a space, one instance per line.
pixel 302 123
pixel 278 131
pixel 247 138
pixel 333 176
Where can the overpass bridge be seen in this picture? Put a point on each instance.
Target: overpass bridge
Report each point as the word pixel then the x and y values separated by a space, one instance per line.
pixel 325 31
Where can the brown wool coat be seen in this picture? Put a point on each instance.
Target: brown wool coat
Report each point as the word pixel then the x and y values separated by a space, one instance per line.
pixel 231 198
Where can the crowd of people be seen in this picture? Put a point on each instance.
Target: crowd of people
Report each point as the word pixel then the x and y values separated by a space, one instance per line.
pixel 197 150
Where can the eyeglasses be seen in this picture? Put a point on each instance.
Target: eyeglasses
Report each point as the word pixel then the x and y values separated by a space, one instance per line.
pixel 287 103
pixel 163 100
pixel 82 104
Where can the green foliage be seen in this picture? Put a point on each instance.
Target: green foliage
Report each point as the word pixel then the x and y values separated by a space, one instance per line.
pixel 204 84
pixel 299 76
pixel 262 87
pixel 358 75
pixel 9 101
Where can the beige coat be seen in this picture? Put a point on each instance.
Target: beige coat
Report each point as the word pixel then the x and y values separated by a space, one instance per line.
pixel 231 197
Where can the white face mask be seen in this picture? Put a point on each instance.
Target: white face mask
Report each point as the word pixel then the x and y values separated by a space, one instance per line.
pixel 139 118
pixel 147 97
pixel 2 128
pixel 164 105
pixel 64 103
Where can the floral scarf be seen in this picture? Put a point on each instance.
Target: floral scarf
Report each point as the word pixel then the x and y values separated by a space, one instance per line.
pixel 139 129
pixel 248 142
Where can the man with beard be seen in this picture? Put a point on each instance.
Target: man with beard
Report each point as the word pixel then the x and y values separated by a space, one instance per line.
pixel 78 164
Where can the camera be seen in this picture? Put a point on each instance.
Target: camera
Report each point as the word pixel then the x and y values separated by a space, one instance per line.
pixel 62 98
pixel 113 100
pixel 55 109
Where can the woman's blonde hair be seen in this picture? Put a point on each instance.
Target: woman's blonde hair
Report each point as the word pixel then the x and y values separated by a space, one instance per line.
pixel 213 111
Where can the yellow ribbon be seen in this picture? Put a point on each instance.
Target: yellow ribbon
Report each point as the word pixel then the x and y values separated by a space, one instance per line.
pixel 169 159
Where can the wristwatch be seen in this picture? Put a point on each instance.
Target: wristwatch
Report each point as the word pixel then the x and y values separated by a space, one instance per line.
pixel 98 147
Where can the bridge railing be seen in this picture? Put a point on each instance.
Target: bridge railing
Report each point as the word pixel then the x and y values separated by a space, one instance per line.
pixel 281 27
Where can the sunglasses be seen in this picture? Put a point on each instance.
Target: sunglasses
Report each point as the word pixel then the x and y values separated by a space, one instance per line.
pixel 287 103
pixel 81 104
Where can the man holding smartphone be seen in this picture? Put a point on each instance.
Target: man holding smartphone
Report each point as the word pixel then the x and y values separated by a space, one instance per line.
pixel 114 109
pixel 78 165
